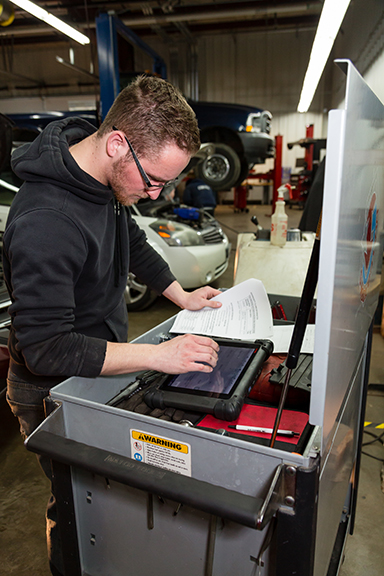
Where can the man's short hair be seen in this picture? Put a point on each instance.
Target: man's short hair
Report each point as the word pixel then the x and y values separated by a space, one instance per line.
pixel 152 112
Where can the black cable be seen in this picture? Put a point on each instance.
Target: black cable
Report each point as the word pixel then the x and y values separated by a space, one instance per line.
pixel 375 439
pixel 371 456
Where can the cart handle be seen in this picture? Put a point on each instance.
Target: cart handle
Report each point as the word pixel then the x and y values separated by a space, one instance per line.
pixel 228 504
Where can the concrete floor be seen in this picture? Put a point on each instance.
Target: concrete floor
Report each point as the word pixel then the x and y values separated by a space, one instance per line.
pixel 24 490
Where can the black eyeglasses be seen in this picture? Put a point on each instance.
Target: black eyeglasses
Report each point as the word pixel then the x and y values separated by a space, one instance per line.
pixel 143 174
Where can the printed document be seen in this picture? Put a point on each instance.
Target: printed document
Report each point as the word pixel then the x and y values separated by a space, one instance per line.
pixel 282 336
pixel 245 314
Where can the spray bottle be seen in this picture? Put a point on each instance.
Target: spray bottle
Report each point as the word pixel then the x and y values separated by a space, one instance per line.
pixel 279 220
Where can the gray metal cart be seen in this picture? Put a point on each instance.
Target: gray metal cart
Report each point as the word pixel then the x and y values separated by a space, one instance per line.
pixel 238 507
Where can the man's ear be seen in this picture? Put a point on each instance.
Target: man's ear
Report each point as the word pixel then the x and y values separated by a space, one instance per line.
pixel 115 144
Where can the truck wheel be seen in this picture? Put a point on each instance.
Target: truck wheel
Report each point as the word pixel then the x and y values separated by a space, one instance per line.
pixel 244 171
pixel 221 170
pixel 137 295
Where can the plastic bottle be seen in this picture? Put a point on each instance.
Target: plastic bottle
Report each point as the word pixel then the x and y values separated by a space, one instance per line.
pixel 279 222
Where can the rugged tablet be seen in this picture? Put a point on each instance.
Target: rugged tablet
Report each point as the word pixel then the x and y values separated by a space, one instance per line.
pixel 220 392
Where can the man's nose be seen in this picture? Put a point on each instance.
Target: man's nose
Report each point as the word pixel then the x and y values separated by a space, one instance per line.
pixel 154 194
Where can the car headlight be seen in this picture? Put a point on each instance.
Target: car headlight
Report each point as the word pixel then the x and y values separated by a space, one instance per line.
pixel 175 234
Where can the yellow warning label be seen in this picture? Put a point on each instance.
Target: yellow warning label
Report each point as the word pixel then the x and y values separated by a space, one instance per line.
pixel 158 441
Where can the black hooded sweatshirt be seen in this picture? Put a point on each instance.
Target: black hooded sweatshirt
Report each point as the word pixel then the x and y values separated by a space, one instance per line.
pixel 67 250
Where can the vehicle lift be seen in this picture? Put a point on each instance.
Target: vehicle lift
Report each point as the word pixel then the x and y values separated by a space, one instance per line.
pixel 108 26
pixel 302 181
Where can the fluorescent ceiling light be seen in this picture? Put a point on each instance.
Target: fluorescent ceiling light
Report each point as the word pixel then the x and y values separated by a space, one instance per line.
pixel 48 18
pixel 330 21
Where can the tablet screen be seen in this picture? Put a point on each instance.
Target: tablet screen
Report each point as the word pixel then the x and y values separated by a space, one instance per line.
pixel 231 363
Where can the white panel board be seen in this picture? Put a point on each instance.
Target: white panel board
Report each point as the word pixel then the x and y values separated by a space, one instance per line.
pixel 351 246
pixel 271 264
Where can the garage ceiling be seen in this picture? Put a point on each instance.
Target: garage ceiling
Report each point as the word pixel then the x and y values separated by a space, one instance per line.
pixel 168 19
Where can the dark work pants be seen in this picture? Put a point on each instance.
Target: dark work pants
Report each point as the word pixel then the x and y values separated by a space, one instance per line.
pixel 26 402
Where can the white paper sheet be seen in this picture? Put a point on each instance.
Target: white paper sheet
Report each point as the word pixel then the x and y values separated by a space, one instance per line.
pixel 245 314
pixel 282 339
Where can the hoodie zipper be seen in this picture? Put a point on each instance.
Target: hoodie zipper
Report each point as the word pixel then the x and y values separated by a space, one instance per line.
pixel 118 254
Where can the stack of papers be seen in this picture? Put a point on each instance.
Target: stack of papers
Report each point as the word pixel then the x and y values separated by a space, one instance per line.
pixel 245 314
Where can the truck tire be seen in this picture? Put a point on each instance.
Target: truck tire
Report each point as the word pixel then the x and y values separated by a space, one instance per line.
pixel 244 171
pixel 220 170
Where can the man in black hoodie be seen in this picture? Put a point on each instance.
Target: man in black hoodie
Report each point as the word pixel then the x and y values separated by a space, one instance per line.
pixel 69 245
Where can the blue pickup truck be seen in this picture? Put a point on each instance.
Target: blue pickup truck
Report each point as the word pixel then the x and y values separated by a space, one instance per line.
pixel 241 135
pixel 242 138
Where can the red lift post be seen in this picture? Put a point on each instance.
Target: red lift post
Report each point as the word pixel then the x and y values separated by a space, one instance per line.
pixel 277 169
pixel 240 198
pixel 301 182
pixel 309 151
pixel 275 174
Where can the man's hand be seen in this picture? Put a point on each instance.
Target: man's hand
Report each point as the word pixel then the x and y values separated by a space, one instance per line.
pixel 188 353
pixel 192 300
pixel 202 297
pixel 185 354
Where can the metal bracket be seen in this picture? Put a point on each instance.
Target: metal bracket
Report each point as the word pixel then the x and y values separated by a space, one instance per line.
pixel 50 405
pixel 281 494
